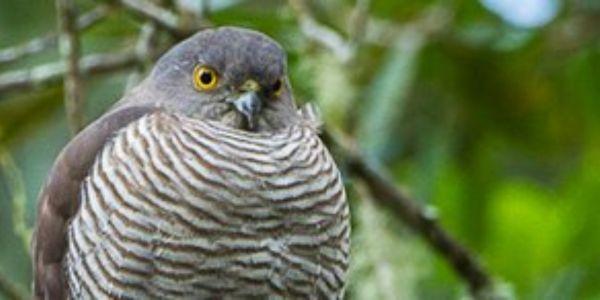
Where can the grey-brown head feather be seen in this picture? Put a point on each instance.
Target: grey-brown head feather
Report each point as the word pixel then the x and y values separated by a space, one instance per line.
pixel 237 55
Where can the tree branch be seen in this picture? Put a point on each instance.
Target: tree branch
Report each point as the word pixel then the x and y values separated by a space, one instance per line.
pixel 431 22
pixel 147 9
pixel 144 48
pixel 192 13
pixel 49 40
pixel 358 21
pixel 52 73
pixel 384 191
pixel 165 19
pixel 321 34
pixel 366 29
pixel 68 43
pixel 419 218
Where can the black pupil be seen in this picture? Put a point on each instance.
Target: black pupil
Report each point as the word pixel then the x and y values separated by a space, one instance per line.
pixel 206 77
pixel 277 85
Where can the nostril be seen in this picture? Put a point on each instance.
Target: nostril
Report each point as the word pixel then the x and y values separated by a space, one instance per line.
pixel 248 104
pixel 254 106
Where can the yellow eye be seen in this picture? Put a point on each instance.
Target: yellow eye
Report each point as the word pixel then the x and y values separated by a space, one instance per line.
pixel 277 87
pixel 205 78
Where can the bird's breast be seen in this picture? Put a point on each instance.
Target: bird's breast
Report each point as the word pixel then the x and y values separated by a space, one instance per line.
pixel 176 207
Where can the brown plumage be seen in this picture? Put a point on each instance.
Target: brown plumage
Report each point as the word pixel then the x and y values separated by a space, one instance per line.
pixel 187 189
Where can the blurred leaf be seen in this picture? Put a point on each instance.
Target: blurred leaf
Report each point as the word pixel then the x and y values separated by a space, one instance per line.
pixel 563 285
pixel 23 113
pixel 14 179
pixel 529 233
pixel 386 96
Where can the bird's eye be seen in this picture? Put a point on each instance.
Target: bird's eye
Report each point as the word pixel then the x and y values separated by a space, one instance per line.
pixel 277 87
pixel 205 78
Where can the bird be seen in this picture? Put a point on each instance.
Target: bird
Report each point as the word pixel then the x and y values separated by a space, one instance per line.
pixel 204 181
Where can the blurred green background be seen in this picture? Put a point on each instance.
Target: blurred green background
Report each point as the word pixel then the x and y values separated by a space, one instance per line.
pixel 492 119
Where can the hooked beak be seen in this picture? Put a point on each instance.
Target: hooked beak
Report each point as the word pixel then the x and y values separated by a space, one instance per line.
pixel 249 102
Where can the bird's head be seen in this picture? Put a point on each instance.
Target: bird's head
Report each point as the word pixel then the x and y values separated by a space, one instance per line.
pixel 231 75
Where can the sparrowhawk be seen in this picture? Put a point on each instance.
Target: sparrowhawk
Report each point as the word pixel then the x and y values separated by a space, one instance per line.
pixel 204 181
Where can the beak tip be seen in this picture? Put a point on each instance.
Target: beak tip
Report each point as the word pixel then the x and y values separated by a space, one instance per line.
pixel 249 104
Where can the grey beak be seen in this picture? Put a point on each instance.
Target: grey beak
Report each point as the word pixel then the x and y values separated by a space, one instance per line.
pixel 249 104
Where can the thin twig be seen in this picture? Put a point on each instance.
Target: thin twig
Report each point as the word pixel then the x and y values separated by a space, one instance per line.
pixel 432 21
pixel 144 48
pixel 366 29
pixel 52 73
pixel 422 220
pixel 68 43
pixel 92 17
pixel 321 34
pixel 191 12
pixel 49 40
pixel 31 47
pixel 162 17
pixel 358 20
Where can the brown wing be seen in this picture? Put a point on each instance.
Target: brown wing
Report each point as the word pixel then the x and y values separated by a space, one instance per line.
pixel 58 200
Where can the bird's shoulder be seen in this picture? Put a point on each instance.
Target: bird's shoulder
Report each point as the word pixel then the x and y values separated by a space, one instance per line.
pixel 58 198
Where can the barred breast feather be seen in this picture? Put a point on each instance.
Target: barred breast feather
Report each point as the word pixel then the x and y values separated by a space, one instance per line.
pixel 177 208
